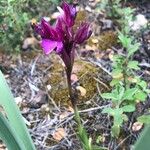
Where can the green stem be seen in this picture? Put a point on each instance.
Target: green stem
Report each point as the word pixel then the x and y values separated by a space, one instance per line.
pixel 125 73
pixel 82 134
pixel 68 73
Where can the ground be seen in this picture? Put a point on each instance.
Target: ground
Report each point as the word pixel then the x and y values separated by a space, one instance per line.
pixel 38 83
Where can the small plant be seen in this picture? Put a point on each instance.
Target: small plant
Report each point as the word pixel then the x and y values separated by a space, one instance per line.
pixel 111 7
pixel 121 15
pixel 13 20
pixel 127 88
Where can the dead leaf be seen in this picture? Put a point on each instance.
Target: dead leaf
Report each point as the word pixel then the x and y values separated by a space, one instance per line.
pixel 63 115
pixel 111 55
pixel 70 109
pixel 137 126
pixel 82 90
pixel 59 134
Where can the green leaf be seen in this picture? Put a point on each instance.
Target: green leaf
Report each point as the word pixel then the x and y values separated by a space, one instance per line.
pixel 84 138
pixel 125 40
pixel 13 114
pixel 109 96
pixel 143 141
pixel 142 84
pixel 132 49
pixel 117 75
pixel 144 119
pixel 121 92
pixel 82 134
pixel 118 120
pixel 140 95
pixel 95 147
pixel 109 111
pixel 115 131
pixel 117 71
pixel 114 82
pixel 9 136
pixel 129 93
pixel 124 117
pixel 128 108
pixel 133 65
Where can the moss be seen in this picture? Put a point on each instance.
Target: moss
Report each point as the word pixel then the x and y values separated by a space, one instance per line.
pixel 57 72
pixel 85 72
pixel 29 55
pixel 104 41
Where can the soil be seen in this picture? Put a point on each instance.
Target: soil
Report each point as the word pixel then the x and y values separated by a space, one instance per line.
pixel 39 82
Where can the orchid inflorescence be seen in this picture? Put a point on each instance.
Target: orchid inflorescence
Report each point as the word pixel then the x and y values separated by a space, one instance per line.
pixel 62 38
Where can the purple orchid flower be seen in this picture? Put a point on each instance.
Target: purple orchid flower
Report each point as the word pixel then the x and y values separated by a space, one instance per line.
pixel 61 37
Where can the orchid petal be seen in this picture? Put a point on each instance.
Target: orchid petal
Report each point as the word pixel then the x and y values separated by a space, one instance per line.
pixel 49 31
pixel 60 11
pixel 59 47
pixel 48 46
pixel 69 14
pixel 83 33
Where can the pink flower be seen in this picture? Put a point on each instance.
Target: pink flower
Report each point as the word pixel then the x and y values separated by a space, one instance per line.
pixel 61 37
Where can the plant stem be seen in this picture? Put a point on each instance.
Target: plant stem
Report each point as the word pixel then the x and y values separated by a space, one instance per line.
pixel 77 117
pixel 68 73
pixel 125 73
pixel 82 133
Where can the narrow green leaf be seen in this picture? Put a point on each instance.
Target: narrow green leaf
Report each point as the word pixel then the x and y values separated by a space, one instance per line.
pixel 132 49
pixel 143 142
pixel 8 136
pixel 115 130
pixel 95 147
pixel 125 40
pixel 109 96
pixel 13 114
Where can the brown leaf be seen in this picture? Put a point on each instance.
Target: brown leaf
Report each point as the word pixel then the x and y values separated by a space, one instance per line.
pixel 70 109
pixel 59 134
pixel 63 115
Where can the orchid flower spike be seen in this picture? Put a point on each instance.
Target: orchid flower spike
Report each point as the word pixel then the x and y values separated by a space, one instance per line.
pixel 61 37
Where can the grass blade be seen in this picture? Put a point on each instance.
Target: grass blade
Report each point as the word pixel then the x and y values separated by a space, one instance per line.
pixel 13 114
pixel 8 136
pixel 144 140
